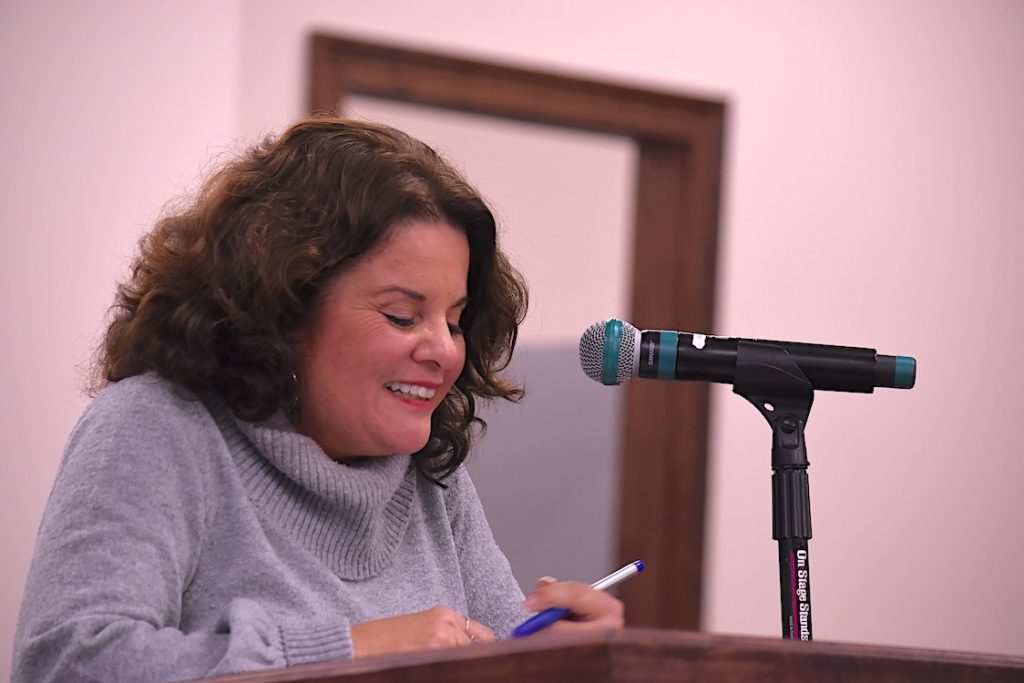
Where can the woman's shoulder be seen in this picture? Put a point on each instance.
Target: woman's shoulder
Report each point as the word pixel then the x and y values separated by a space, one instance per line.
pixel 146 414
pixel 147 391
pixel 146 401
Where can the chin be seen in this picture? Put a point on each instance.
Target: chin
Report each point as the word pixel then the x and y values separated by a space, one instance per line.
pixel 412 446
pixel 409 444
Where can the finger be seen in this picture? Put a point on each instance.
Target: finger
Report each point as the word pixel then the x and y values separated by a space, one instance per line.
pixel 546 581
pixel 455 629
pixel 555 594
pixel 584 602
pixel 475 632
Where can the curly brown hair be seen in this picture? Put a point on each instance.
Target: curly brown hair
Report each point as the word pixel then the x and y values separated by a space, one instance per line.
pixel 220 288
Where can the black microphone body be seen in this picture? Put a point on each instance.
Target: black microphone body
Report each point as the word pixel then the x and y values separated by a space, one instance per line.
pixel 613 351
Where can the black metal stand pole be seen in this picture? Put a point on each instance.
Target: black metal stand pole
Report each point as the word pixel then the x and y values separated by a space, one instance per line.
pixel 791 527
pixel 768 378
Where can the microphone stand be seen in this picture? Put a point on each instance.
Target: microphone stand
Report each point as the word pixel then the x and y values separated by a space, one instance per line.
pixel 770 379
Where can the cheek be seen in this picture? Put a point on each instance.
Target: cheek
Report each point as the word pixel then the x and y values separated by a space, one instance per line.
pixel 460 361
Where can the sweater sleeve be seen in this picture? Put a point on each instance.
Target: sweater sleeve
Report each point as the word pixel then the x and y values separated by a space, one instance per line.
pixel 492 592
pixel 119 542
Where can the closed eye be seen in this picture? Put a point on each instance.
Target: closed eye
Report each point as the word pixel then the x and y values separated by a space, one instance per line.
pixel 453 328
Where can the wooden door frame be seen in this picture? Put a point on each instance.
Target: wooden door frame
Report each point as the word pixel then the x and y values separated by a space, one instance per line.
pixel 678 188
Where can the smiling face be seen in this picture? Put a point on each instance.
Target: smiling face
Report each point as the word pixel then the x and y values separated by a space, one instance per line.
pixel 385 346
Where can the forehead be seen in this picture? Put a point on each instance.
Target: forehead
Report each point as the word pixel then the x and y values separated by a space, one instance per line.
pixel 417 254
pixel 419 240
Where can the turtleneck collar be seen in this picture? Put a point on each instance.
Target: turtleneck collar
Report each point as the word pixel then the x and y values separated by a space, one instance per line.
pixel 352 516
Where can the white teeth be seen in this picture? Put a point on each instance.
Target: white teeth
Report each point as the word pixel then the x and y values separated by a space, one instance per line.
pixel 411 390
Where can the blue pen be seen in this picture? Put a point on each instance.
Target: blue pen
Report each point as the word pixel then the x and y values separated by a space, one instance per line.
pixel 552 614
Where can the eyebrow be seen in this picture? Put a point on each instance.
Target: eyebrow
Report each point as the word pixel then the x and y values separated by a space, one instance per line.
pixel 416 296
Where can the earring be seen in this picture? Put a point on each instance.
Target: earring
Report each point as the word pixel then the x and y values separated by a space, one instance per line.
pixel 291 406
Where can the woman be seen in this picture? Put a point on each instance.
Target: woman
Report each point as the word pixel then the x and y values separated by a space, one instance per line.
pixel 271 472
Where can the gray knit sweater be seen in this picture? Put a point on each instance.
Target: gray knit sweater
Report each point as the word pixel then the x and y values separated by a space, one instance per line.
pixel 180 542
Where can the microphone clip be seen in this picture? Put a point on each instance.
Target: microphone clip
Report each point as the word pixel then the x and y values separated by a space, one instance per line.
pixel 772 381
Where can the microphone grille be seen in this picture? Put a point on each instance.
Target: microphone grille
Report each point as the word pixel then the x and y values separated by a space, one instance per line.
pixel 620 352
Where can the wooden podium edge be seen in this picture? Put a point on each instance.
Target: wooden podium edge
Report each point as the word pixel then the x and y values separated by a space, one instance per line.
pixel 650 655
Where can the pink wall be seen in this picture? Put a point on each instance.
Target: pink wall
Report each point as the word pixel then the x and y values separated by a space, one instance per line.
pixel 879 141
pixel 109 109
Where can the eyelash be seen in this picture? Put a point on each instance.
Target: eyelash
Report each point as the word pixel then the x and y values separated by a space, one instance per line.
pixel 409 322
pixel 400 322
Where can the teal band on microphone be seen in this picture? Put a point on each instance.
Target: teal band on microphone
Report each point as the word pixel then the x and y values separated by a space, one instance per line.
pixel 668 342
pixel 906 372
pixel 612 343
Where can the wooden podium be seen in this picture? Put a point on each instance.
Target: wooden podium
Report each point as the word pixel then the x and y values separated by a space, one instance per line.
pixel 655 656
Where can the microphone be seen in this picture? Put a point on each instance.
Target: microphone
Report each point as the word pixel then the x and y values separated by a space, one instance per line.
pixel 613 351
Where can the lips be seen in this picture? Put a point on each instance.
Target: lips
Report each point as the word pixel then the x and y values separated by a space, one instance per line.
pixel 416 392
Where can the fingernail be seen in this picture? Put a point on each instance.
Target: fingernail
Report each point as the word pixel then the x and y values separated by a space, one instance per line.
pixel 547 579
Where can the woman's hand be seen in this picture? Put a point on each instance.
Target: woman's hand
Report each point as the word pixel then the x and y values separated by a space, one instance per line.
pixel 591 609
pixel 436 628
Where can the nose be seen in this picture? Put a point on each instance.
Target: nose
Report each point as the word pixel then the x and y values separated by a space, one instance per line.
pixel 439 345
